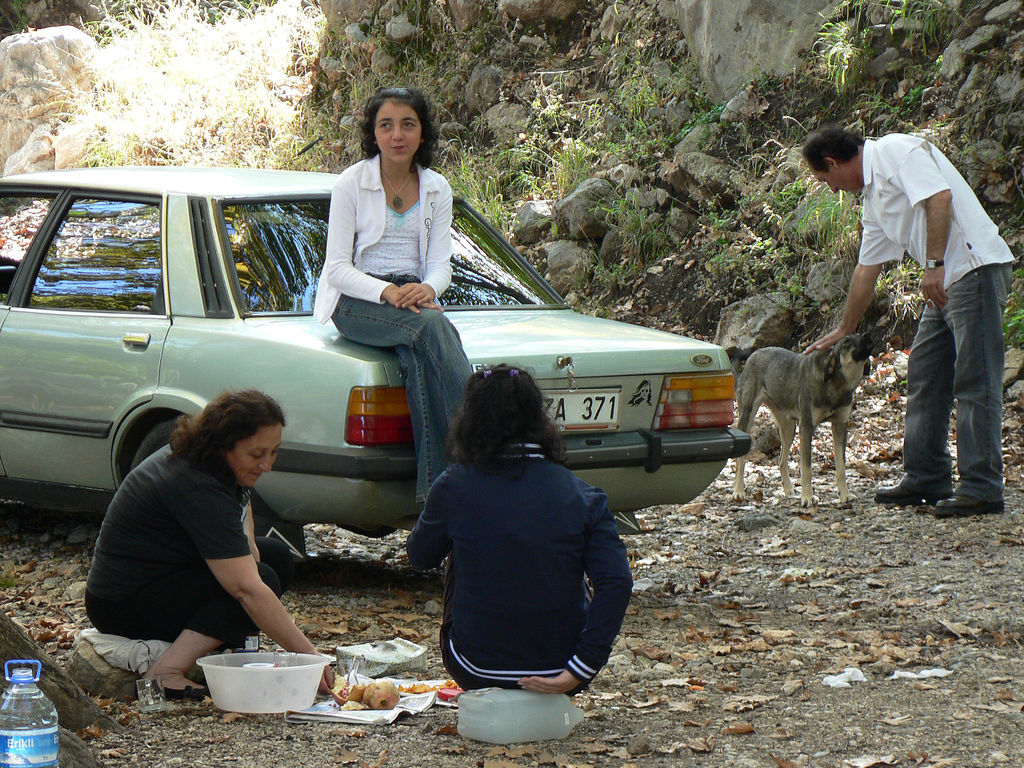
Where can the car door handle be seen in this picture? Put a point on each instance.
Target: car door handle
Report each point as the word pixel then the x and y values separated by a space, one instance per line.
pixel 136 339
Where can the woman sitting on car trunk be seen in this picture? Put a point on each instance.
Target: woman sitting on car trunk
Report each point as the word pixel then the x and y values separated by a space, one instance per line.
pixel 521 532
pixel 389 253
pixel 176 558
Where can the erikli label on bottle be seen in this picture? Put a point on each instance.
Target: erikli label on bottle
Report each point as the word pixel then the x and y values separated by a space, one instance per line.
pixel 35 747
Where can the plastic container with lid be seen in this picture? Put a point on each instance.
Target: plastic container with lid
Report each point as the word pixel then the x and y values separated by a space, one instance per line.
pixel 28 719
pixel 504 716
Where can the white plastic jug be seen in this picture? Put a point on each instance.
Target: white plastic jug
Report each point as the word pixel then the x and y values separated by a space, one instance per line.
pixel 502 716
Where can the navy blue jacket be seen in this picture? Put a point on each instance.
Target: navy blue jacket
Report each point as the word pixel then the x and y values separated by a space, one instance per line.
pixel 521 542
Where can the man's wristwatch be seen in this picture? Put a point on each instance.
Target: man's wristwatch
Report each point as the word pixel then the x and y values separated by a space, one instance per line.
pixel 934 264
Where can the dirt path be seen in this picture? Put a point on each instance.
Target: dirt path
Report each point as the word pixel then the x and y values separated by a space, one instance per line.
pixel 739 614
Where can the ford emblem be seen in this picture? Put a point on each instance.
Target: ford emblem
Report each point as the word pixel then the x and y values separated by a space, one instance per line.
pixel 702 359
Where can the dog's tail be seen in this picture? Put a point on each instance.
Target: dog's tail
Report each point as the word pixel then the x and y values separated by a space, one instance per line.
pixel 737 357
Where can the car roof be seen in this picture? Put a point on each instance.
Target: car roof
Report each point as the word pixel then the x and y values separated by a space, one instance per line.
pixel 160 180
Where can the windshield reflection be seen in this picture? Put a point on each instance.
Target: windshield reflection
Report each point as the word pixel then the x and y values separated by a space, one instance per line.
pixel 278 249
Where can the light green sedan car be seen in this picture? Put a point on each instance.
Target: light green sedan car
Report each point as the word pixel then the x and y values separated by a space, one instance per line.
pixel 131 296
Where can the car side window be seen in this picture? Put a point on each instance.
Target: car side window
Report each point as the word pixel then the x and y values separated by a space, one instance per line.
pixel 20 219
pixel 278 249
pixel 105 257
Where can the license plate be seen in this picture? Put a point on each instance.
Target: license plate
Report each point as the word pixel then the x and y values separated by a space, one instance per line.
pixel 584 408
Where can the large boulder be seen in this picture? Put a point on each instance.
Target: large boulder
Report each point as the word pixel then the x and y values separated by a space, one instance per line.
pixel 507 121
pixel 701 177
pixel 532 222
pixel 484 88
pixel 531 10
pixel 39 71
pixel 734 41
pixel 583 214
pixel 466 13
pixel 36 154
pixel 566 261
pixel 765 320
pixel 339 13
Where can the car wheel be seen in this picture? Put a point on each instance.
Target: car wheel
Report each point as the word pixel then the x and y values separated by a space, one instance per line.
pixel 264 518
pixel 157 437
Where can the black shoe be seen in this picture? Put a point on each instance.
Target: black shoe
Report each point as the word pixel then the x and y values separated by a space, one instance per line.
pixel 901 495
pixel 965 506
pixel 192 693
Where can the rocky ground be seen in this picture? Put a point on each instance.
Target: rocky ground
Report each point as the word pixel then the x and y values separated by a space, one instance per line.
pixel 740 612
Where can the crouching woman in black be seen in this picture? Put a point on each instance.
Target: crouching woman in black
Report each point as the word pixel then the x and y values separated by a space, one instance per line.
pixel 522 532
pixel 176 558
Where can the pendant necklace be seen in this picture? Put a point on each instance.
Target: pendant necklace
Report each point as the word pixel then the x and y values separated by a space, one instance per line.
pixel 396 201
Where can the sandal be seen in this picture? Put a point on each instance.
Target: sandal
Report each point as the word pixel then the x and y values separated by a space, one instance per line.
pixel 192 693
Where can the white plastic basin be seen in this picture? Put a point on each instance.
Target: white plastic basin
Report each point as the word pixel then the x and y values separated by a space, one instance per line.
pixel 263 682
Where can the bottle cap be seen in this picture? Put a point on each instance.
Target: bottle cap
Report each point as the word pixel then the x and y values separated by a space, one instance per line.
pixel 23 670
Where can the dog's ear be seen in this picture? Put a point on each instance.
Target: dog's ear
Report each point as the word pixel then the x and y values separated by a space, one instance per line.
pixel 831 362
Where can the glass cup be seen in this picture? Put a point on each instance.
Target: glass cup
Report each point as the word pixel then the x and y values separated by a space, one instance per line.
pixel 151 694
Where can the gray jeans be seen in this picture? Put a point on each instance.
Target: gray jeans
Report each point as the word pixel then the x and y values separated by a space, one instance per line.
pixel 436 370
pixel 958 354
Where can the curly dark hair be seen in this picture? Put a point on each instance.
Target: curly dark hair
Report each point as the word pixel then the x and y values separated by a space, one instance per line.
pixel 411 97
pixel 503 408
pixel 204 438
pixel 831 141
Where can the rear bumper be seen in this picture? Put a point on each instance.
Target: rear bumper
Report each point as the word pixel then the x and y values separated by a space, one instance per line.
pixel 651 449
pixel 643 448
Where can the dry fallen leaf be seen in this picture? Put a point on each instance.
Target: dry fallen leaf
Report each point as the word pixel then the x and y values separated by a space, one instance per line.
pixel 345 756
pixel 738 728
pixel 959 629
pixel 231 717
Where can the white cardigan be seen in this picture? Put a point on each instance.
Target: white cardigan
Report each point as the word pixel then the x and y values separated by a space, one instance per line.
pixel 358 204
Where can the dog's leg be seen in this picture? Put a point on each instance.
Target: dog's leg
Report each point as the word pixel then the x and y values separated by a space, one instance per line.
pixel 840 422
pixel 806 440
pixel 747 408
pixel 787 431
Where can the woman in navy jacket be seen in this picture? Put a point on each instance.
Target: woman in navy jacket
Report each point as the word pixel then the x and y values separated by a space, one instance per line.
pixel 522 532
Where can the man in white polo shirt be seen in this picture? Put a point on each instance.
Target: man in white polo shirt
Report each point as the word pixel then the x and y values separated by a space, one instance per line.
pixel 915 201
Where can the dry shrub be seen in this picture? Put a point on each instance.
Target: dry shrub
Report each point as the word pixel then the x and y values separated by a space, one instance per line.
pixel 176 88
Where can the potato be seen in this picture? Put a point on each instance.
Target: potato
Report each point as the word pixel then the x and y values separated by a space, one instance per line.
pixel 380 694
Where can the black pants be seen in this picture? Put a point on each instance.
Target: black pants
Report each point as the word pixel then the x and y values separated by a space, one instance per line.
pixel 190 599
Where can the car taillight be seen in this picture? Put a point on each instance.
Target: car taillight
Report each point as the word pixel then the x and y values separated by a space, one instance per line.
pixel 378 416
pixel 695 400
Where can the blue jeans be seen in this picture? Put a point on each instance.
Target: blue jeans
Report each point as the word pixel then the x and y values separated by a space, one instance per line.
pixel 958 354
pixel 436 370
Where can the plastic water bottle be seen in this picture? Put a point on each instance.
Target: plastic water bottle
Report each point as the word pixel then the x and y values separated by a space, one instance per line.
pixel 505 716
pixel 28 719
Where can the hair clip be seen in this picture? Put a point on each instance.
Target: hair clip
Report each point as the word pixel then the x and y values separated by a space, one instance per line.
pixel 486 372
pixel 513 371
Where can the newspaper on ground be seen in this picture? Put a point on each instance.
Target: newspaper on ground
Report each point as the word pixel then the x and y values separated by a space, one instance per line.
pixel 329 711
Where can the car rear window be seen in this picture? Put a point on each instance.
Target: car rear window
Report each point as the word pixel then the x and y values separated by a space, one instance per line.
pixel 105 256
pixel 278 248
pixel 20 219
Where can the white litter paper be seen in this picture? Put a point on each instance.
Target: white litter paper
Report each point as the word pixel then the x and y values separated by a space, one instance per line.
pixel 849 675
pixel 908 675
